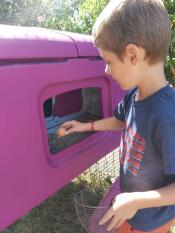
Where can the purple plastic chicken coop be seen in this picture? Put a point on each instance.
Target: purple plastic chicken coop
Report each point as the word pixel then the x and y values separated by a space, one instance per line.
pixel 47 78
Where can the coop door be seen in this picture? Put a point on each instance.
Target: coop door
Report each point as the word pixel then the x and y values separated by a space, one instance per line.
pixel 83 105
pixel 77 90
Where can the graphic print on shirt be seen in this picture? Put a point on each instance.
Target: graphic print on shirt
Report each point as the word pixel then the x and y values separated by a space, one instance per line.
pixel 132 151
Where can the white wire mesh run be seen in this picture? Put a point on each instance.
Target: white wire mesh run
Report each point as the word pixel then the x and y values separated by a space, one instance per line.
pixel 96 198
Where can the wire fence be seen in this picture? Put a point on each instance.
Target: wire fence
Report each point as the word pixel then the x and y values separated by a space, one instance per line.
pixel 96 198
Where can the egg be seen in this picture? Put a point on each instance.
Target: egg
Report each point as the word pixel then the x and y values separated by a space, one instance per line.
pixel 61 132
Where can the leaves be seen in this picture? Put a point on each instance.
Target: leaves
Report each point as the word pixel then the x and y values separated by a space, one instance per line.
pixel 170 60
pixel 21 12
pixel 75 16
pixel 88 12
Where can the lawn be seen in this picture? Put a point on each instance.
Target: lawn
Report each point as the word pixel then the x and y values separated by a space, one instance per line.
pixel 57 214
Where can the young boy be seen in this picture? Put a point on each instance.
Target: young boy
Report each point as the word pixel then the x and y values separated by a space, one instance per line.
pixel 133 39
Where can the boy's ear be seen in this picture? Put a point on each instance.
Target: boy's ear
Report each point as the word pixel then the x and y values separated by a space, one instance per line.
pixel 133 53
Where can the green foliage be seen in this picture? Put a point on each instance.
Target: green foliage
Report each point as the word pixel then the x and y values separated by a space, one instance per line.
pixel 87 14
pixel 21 12
pixel 75 16
pixel 9 11
pixel 64 15
pixel 170 60
pixel 61 13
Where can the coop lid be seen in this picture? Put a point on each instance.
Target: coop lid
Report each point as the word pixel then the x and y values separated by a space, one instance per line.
pixel 84 44
pixel 29 42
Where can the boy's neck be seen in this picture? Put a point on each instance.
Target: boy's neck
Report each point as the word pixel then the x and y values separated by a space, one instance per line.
pixel 152 80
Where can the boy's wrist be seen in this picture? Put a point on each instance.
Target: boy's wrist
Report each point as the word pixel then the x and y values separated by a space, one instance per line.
pixel 92 126
pixel 146 199
pixel 89 126
pixel 138 199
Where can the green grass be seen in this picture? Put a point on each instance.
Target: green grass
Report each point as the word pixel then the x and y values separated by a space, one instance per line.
pixel 57 214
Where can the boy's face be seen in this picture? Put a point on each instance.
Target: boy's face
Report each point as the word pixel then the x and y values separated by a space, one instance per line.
pixel 125 73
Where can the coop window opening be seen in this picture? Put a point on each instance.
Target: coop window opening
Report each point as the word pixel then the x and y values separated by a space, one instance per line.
pixel 83 104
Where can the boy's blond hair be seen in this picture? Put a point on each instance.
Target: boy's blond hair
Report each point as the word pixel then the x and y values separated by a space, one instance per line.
pixel 144 23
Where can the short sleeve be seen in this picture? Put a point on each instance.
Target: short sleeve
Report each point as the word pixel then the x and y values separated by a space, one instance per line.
pixel 167 142
pixel 119 111
pixel 122 106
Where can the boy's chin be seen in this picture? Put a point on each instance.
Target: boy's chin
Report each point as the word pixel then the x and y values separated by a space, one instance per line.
pixel 125 88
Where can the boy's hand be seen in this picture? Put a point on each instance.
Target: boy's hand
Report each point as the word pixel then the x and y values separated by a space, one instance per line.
pixel 124 207
pixel 74 126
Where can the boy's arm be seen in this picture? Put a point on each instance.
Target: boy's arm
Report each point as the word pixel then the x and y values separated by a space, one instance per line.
pixel 161 197
pixel 127 204
pixel 111 124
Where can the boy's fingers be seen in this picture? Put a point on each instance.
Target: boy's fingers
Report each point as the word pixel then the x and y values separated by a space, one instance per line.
pixel 106 217
pixel 113 200
pixel 69 131
pixel 115 223
pixel 66 125
pixel 119 223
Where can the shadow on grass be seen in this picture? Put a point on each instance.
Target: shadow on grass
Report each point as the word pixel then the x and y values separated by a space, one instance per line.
pixel 55 215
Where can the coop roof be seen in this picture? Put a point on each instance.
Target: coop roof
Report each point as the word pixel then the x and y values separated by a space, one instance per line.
pixel 30 42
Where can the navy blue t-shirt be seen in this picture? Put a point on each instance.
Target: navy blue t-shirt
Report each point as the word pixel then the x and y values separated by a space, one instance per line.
pixel 147 150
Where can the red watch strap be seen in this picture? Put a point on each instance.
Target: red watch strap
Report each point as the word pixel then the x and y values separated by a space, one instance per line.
pixel 92 126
